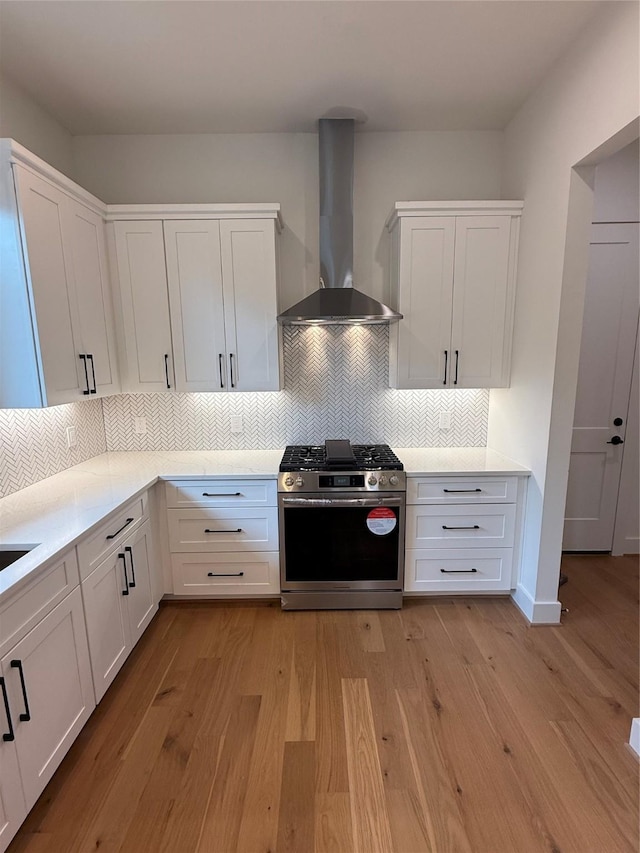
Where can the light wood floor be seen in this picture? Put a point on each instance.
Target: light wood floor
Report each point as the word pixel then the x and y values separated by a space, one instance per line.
pixel 449 726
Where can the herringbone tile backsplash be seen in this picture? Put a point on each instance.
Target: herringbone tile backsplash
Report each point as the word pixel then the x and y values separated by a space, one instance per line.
pixel 335 387
pixel 33 442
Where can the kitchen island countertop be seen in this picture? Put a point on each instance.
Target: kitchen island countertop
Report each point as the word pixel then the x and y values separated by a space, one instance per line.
pixel 57 512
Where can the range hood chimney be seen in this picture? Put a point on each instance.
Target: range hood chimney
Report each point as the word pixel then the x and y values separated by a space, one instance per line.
pixel 337 301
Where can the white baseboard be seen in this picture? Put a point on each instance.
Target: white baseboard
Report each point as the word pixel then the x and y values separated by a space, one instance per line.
pixel 634 737
pixel 537 612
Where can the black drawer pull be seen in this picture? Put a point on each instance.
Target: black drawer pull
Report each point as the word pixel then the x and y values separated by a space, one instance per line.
pixel 470 527
pixel 26 716
pixel 126 524
pixel 222 494
pixel 86 372
pixel 460 491
pixel 237 530
pixel 94 390
pixel 125 591
pixel 129 550
pixel 6 736
pixel 221 575
pixel 458 571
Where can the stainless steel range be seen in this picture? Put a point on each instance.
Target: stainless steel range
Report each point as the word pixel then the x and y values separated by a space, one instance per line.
pixel 341 515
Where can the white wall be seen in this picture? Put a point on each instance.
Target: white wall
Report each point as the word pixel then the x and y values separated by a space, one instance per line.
pixel 590 96
pixel 279 167
pixel 22 119
pixel 617 186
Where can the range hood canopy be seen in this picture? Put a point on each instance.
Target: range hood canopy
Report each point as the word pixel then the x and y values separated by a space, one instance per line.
pixel 337 301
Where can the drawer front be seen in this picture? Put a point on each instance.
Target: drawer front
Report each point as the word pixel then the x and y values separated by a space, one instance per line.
pixel 431 490
pixel 110 535
pixel 223 529
pixel 454 570
pixel 20 614
pixel 216 575
pixel 480 526
pixel 187 493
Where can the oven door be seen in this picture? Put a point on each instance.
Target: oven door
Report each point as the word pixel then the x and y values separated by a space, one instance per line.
pixel 346 542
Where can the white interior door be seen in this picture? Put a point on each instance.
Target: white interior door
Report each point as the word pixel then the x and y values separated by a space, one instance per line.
pixel 604 380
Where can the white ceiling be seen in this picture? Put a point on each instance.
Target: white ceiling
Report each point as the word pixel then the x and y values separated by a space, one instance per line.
pixel 114 66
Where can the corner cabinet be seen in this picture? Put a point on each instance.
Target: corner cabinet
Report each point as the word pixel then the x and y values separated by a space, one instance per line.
pixel 453 273
pixel 198 291
pixel 57 341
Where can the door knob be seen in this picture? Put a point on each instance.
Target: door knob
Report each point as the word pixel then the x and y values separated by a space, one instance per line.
pixel 617 421
pixel 616 440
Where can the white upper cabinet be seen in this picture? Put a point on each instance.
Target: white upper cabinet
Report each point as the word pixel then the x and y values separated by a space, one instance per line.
pixel 202 279
pixel 453 270
pixel 56 326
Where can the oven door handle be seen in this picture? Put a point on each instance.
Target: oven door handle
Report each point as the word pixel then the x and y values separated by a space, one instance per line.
pixel 342 502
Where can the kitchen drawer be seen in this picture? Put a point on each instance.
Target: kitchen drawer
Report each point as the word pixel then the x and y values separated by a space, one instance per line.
pixel 226 574
pixel 19 614
pixel 451 570
pixel 436 490
pixel 249 529
pixel 479 526
pixel 182 494
pixel 109 535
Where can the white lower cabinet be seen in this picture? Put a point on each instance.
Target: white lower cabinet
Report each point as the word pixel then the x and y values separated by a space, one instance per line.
pixel 462 533
pixel 13 808
pixel 223 537
pixel 119 604
pixel 49 692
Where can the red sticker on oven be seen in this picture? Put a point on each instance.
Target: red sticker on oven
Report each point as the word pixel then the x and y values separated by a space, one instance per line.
pixel 381 520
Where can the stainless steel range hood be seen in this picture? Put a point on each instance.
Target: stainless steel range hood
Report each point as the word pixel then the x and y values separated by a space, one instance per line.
pixel 337 301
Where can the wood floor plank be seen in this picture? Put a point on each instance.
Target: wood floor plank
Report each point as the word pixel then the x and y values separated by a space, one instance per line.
pixel 301 706
pixel 369 631
pixel 296 828
pixel 333 824
pixel 330 756
pixel 369 817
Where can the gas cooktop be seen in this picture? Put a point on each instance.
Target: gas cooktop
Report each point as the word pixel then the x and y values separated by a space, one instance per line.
pixel 340 455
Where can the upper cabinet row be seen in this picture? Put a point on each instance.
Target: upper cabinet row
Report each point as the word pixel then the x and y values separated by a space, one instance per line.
pixel 453 269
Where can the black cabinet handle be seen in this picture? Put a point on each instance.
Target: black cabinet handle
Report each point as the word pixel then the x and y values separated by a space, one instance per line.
pixel 470 527
pixel 460 491
pixel 6 736
pixel 233 383
pixel 93 390
pixel 221 575
pixel 458 571
pixel 126 524
pixel 125 591
pixel 166 369
pixel 237 530
pixel 222 494
pixel 129 551
pixel 616 440
pixel 220 357
pixel 86 373
pixel 26 715
pixel 446 361
pixel 455 381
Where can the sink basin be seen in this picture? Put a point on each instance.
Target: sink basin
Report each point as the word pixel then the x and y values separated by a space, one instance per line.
pixel 8 556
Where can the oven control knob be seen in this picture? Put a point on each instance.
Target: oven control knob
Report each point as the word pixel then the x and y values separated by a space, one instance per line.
pixel 372 480
pixel 299 482
pixel 288 481
pixel 393 480
pixel 383 480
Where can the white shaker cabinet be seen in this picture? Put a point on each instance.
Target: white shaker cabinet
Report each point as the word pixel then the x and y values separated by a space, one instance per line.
pixel 453 268
pixel 13 809
pixel 56 326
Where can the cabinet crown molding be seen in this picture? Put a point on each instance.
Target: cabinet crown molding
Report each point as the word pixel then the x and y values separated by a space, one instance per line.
pixel 267 210
pixel 452 208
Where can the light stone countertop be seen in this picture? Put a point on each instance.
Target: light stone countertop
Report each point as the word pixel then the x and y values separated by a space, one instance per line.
pixel 55 513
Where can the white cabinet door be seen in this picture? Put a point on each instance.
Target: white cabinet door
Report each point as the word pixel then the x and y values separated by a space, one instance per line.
pixel 49 268
pixel 481 307
pixel 249 277
pixel 93 298
pixel 13 809
pixel 107 618
pixel 141 603
pixel 194 272
pixel 142 276
pixel 425 283
pixel 48 677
